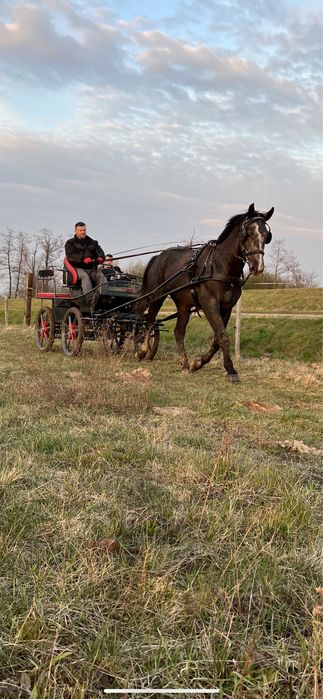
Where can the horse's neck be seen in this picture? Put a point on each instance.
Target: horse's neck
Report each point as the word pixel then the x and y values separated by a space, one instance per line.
pixel 229 257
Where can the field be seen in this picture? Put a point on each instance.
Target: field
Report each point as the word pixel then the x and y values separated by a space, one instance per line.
pixel 158 529
pixel 299 301
pixel 281 338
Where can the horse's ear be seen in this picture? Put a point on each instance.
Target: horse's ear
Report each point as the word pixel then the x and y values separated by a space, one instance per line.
pixel 269 213
pixel 251 211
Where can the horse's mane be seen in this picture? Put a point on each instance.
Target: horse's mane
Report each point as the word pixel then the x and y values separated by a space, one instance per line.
pixel 232 223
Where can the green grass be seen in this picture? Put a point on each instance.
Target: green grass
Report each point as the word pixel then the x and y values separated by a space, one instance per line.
pixel 279 301
pixel 282 301
pixel 297 339
pixel 253 301
pixel 218 524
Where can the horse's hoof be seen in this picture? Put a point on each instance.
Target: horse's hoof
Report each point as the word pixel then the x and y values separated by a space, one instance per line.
pixel 185 366
pixel 195 365
pixel 233 378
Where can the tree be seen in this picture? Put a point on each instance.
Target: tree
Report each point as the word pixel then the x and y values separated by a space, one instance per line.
pixel 6 256
pixel 20 252
pixel 136 268
pixel 50 246
pixel 285 267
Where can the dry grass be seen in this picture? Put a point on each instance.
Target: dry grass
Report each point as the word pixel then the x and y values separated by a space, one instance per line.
pixel 213 581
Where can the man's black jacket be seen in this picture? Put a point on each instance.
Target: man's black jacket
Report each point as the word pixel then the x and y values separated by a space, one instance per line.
pixel 77 249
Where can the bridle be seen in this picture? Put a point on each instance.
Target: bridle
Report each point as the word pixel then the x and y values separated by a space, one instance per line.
pixel 244 235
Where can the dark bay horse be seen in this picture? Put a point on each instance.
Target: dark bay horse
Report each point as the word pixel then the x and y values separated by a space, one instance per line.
pixel 209 279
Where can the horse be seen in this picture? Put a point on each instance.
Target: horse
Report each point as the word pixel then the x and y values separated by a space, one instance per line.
pixel 208 279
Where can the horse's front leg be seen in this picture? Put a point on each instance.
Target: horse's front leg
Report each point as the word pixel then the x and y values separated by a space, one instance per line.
pixel 183 315
pixel 220 340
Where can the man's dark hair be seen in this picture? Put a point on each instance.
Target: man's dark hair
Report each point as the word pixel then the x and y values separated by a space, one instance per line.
pixel 79 223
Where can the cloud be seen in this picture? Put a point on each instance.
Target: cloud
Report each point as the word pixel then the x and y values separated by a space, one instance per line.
pixel 159 126
pixel 34 49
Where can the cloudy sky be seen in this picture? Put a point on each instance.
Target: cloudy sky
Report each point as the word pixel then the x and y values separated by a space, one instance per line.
pixel 151 121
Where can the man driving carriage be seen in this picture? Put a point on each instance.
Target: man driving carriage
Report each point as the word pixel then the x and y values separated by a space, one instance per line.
pixel 85 254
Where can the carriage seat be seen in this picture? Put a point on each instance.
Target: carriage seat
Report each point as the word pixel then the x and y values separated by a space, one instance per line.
pixel 70 277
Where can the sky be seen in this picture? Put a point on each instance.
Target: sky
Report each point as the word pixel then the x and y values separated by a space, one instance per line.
pixel 153 122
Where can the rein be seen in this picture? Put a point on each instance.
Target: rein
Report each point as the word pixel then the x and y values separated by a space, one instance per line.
pixel 202 277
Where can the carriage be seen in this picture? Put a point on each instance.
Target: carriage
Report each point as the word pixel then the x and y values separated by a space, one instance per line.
pixel 107 313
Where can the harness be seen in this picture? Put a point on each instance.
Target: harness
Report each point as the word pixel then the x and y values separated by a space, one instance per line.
pixel 205 273
pixel 244 235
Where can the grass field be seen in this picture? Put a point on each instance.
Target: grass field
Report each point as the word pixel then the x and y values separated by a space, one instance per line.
pixel 253 301
pixel 281 338
pixel 158 529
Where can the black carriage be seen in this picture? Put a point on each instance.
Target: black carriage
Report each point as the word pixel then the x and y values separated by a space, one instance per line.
pixel 106 313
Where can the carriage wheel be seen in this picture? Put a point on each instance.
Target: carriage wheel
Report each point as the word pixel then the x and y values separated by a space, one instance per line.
pixel 72 332
pixel 153 342
pixel 45 329
pixel 113 336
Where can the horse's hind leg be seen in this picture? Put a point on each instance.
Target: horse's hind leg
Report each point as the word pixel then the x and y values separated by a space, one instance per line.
pixel 151 317
pixel 183 315
pixel 206 357
pixel 220 340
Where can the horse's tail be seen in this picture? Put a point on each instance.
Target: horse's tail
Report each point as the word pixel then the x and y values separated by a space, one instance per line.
pixel 142 303
pixel 145 284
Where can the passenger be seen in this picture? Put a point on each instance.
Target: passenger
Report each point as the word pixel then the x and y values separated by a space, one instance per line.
pixel 110 270
pixel 85 254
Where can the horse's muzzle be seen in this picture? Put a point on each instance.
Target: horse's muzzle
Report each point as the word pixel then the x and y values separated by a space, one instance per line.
pixel 256 266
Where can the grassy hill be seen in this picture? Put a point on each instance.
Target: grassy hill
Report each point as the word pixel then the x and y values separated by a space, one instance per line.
pixel 299 339
pixel 278 301
pixel 280 338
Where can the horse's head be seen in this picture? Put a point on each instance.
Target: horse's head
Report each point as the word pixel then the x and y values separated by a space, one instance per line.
pixel 255 234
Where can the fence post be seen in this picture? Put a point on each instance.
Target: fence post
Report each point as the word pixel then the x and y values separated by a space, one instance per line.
pixel 5 308
pixel 237 330
pixel 29 283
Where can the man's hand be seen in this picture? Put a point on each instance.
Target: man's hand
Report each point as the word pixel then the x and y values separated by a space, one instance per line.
pixel 87 260
pixel 99 259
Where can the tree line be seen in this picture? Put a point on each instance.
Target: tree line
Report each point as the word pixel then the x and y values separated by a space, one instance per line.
pixel 282 268
pixel 21 253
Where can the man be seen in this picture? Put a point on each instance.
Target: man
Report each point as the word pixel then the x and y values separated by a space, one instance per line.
pixel 85 254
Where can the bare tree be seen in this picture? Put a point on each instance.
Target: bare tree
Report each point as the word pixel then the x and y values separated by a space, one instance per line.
pixel 50 246
pixel 31 259
pixel 284 267
pixel 6 256
pixel 135 268
pixel 19 266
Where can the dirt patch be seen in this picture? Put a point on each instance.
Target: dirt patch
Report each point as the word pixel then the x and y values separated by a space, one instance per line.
pixel 262 407
pixel 318 368
pixel 307 375
pixel 300 447
pixel 173 410
pixel 135 375
pixel 107 545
